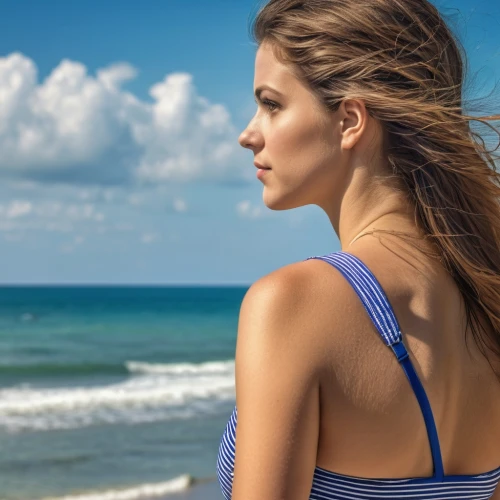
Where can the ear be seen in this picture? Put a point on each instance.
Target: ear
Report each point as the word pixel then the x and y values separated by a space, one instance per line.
pixel 354 121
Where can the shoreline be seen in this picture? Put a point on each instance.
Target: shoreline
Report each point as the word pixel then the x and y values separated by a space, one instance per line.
pixel 207 489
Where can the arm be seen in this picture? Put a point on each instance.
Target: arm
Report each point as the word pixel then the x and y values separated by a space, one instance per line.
pixel 277 390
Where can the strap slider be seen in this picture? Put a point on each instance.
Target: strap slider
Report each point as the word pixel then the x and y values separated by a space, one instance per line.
pixel 400 350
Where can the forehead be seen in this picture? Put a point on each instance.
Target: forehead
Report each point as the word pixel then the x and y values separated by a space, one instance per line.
pixel 268 70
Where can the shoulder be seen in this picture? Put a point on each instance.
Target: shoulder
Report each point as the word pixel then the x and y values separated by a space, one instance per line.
pixel 296 284
pixel 303 301
pixel 311 272
pixel 288 287
pixel 285 285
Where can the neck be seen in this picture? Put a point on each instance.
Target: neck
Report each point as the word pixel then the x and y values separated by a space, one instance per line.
pixel 367 205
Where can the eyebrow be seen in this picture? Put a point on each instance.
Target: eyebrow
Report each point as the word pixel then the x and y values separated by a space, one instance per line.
pixel 260 89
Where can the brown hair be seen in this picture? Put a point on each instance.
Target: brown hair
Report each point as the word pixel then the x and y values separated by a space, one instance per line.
pixel 403 61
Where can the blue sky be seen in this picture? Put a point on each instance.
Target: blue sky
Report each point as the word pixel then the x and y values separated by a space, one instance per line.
pixel 108 184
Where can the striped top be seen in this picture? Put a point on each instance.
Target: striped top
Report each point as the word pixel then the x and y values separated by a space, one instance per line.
pixel 328 485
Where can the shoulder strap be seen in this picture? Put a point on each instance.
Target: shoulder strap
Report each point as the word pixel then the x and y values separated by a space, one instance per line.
pixel 382 315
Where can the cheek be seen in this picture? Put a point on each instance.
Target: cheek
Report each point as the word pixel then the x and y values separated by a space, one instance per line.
pixel 299 146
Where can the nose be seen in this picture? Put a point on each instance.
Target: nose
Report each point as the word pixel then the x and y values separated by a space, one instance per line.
pixel 250 138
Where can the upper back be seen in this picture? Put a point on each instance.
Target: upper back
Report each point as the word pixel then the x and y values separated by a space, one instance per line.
pixel 371 423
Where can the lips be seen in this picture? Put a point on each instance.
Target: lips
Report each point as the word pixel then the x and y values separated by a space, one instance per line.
pixel 258 165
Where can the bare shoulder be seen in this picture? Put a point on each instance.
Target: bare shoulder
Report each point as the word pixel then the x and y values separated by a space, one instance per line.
pixel 298 287
pixel 302 299
pixel 299 282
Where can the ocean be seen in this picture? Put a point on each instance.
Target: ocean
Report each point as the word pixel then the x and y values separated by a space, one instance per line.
pixel 113 392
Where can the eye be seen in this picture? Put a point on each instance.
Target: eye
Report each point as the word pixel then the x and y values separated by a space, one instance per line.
pixel 272 106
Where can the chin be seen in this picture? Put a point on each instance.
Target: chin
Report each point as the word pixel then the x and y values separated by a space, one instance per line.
pixel 281 202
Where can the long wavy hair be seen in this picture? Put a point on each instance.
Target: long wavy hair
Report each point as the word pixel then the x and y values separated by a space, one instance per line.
pixel 404 62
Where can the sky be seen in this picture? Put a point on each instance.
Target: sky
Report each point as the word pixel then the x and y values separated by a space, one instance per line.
pixel 120 163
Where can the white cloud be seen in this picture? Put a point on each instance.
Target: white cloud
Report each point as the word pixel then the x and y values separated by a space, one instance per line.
pixel 18 208
pixel 246 209
pixel 74 127
pixel 135 199
pixel 180 205
pixel 113 76
pixel 70 121
pixel 50 215
pixel 187 137
pixel 148 238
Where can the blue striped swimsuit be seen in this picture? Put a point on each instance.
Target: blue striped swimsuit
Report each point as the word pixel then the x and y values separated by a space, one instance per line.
pixel 328 485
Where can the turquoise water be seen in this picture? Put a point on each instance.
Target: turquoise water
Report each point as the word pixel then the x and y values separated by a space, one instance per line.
pixel 106 388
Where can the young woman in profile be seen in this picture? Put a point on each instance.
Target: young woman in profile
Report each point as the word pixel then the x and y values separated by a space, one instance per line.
pixel 372 372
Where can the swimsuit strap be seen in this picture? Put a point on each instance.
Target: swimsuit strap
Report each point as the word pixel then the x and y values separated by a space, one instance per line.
pixel 382 315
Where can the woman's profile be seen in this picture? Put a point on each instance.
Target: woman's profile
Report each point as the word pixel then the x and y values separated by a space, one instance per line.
pixel 372 372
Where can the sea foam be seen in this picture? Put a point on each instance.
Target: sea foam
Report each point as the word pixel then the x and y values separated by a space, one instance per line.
pixel 152 392
pixel 151 490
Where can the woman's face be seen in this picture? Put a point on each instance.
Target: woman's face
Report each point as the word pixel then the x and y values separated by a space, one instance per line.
pixel 294 135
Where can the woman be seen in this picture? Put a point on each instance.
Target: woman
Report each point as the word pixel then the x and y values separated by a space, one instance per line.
pixel 359 365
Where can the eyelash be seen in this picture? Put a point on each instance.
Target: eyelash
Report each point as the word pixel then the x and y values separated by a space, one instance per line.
pixel 270 104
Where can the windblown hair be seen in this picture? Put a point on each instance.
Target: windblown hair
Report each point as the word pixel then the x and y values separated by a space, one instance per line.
pixel 404 62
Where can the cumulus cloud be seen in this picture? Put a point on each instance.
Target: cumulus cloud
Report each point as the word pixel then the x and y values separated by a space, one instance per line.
pixel 68 123
pixel 187 137
pixel 75 127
